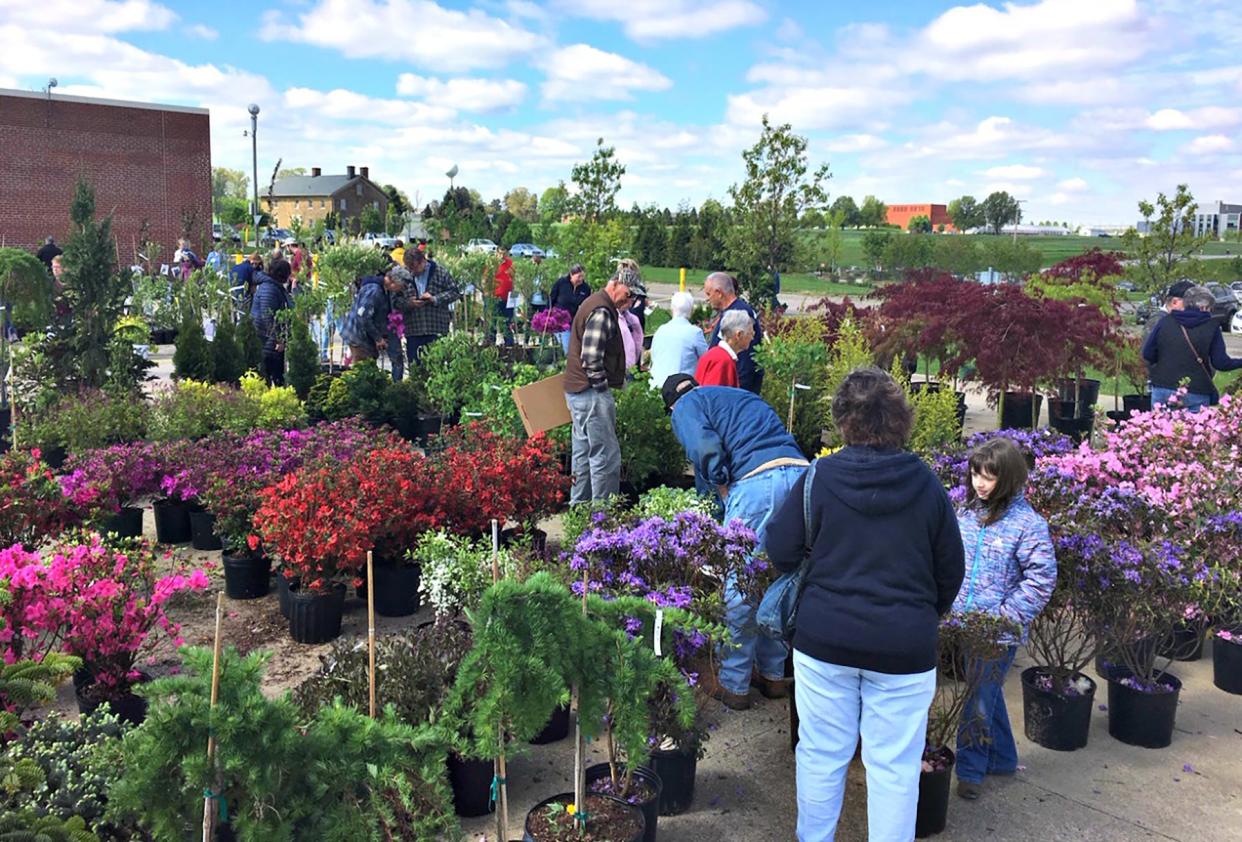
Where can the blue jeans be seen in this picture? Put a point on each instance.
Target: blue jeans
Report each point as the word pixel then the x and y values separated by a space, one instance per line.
pixel 414 346
pixel 838 704
pixel 752 501
pixel 1191 401
pixel 564 337
pixel 596 451
pixel 985 743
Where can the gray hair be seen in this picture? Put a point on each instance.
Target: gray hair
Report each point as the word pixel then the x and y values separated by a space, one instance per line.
pixel 401 275
pixel 683 304
pixel 1199 298
pixel 722 281
pixel 734 322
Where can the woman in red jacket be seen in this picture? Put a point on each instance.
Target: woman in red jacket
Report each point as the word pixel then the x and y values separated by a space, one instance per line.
pixel 504 288
pixel 718 367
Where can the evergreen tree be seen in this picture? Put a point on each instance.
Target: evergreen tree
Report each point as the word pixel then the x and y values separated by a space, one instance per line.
pixel 227 363
pixel 249 345
pixel 193 359
pixel 301 356
pixel 649 244
pixel 679 236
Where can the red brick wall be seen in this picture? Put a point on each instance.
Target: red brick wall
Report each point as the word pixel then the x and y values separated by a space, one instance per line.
pixel 145 164
pixel 900 215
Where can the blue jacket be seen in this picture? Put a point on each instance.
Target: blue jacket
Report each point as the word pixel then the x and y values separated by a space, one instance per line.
pixel 1011 568
pixel 367 320
pixel 269 299
pixel 1170 359
pixel 727 433
pixel 749 374
pixel 885 564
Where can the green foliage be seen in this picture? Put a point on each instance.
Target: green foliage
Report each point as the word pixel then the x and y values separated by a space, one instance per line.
pixel 227 365
pixel 24 684
pixel 249 345
pixel 598 181
pixel 457 570
pixel 798 355
pixel 29 826
pixel 1170 239
pixel 648 447
pixel 908 251
pixel 666 503
pixel 65 768
pixel 920 224
pixel 126 368
pixel 282 778
pixel 1013 259
pixel 83 421
pixel 768 204
pixel 957 254
pixel 340 265
pixel 935 414
pixel 849 352
pixel 1000 209
pixel 553 204
pixel 656 319
pixel 361 390
pixel 317 398
pixel 301 356
pixel 192 360
pixel 579 517
pixel 457 367
pixel 517 231
pixel 407 400
pixel 278 407
pixel 26 287
pixel 875 246
pixel 966 213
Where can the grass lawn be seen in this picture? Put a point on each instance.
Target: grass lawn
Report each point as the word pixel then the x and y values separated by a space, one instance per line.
pixel 790 282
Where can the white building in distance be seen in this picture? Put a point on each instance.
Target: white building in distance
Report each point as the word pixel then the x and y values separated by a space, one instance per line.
pixel 1218 219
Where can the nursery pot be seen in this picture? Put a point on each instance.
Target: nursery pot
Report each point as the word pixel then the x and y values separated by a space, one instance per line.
pixel 128 706
pixel 246 575
pixel 396 588
pixel 1118 415
pixel 427 426
pixel 1088 393
pixel 1227 664
pixel 1142 719
pixel 1136 403
pixel 284 587
pixel 1016 414
pixel 1184 643
pixel 536 819
pixel 203 531
pixel 6 422
pixel 557 728
pixel 315 617
pixel 538 539
pixel 126 523
pixel 1053 720
pixel 649 806
pixel 676 768
pixel 54 457
pixel 1107 658
pixel 1076 427
pixel 471 781
pixel 172 521
pixel 933 810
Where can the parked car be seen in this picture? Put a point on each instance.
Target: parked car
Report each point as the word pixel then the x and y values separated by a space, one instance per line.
pixel 383 241
pixel 328 237
pixel 479 246
pixel 1126 286
pixel 1236 286
pixel 551 253
pixel 276 236
pixel 1226 303
pixel 1236 327
pixel 526 250
pixel 223 231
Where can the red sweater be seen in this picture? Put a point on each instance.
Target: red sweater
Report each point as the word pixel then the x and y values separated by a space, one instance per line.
pixel 504 279
pixel 716 368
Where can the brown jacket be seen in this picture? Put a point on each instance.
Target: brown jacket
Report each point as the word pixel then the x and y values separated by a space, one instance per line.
pixel 576 380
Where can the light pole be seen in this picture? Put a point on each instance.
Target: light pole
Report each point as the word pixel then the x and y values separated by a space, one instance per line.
pixel 254 151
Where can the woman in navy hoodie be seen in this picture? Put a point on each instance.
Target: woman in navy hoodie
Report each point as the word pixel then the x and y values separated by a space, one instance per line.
pixel 886 563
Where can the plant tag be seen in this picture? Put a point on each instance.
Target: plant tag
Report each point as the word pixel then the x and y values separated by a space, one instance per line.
pixel 659 631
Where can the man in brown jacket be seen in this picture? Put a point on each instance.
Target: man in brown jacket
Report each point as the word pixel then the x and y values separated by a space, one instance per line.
pixel 595 367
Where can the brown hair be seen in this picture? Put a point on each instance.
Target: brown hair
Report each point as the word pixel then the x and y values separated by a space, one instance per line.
pixel 871 410
pixel 1000 458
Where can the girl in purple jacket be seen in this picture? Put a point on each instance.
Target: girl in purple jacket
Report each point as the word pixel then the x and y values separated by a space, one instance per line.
pixel 1010 572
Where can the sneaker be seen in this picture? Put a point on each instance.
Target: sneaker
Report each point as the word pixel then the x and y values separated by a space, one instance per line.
pixel 733 701
pixel 969 791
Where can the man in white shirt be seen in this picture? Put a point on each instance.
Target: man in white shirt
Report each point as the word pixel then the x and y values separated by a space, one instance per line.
pixel 677 344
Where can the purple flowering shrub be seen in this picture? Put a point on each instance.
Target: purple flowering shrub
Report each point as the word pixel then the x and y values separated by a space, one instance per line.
pixel 102 481
pixel 968 645
pixel 952 465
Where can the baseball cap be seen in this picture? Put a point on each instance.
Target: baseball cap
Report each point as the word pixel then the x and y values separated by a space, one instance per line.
pixel 631 280
pixel 1178 290
pixel 674 387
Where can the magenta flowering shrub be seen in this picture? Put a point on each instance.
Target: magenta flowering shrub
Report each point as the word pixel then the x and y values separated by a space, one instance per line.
pixel 551 320
pixel 102 481
pixel 32 505
pixel 84 597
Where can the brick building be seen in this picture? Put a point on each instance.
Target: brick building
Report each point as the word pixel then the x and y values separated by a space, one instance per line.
pixel 900 215
pixel 148 164
pixel 310 198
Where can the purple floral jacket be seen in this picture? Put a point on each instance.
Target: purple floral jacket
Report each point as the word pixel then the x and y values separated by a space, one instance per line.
pixel 1010 565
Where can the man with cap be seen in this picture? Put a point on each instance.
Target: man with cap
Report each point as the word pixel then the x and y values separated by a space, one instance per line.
pixel 1173 301
pixel 595 366
pixel 1186 345
pixel 741 450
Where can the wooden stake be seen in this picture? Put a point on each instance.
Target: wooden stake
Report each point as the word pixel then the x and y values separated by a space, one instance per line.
pixel 793 393
pixel 209 809
pixel 501 780
pixel 371 626
pixel 576 718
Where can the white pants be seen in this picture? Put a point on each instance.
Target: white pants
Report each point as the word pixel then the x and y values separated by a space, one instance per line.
pixel 835 706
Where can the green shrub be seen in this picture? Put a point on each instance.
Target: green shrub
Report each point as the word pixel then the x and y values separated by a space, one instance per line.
pixel 361 390
pixel 29 825
pixel 317 397
pixel 301 356
pixel 407 400
pixel 457 367
pixel 192 358
pixel 278 407
pixel 226 359
pixel 798 355
pixel 656 319
pixel 249 345
pixel 648 447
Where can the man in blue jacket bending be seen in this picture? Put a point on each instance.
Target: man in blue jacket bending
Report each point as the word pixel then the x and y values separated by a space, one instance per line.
pixel 741 450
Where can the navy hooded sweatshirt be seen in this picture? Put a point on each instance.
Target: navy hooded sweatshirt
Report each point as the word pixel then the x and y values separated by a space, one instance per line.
pixel 1171 359
pixel 886 560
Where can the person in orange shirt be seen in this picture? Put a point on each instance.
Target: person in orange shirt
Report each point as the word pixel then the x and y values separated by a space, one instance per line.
pixel 718 367
pixel 504 288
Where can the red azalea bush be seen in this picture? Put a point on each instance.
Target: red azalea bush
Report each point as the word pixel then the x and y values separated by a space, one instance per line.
pixel 32 505
pixel 99 602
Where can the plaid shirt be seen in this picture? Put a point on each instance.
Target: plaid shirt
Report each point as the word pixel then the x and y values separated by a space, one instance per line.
pixel 431 319
pixel 600 327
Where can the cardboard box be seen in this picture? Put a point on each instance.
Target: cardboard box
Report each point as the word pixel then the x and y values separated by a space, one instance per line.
pixel 542 404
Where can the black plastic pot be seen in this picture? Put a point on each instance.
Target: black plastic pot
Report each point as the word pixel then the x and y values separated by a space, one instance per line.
pixel 471 781
pixel 396 589
pixel 126 523
pixel 428 426
pixel 128 706
pixel 535 816
pixel 650 808
pixel 6 424
pixel 676 769
pixel 1227 665
pixel 1117 416
pixel 172 521
pixel 1185 643
pixel 961 409
pixel 54 457
pixel 285 586
pixel 1077 428
pixel 538 539
pixel 1142 719
pixel 246 575
pixel 933 811
pixel 1088 393
pixel 316 617
pixel 1052 720
pixel 556 730
pixel 1016 414
pixel 1136 403
pixel 203 531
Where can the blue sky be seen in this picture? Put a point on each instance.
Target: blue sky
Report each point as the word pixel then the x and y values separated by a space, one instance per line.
pixel 1079 107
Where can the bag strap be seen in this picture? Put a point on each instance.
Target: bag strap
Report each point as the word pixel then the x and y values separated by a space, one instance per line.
pixel 1195 351
pixel 808 521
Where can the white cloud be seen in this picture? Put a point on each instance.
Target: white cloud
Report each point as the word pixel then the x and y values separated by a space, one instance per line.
pixel 582 72
pixel 1019 172
pixel 341 104
pixel 855 143
pixel 1209 144
pixel 464 94
pixel 416 31
pixel 1210 117
pixel 88 16
pixel 804 107
pixel 1079 91
pixel 204 32
pixel 653 20
pixel 1072 185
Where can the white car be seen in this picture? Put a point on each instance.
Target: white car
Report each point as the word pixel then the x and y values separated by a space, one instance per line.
pixel 1236 326
pixel 479 247
pixel 380 240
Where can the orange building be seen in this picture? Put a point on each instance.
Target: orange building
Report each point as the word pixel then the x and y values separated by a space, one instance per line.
pixel 900 215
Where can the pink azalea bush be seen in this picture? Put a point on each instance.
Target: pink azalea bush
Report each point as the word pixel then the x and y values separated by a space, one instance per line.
pixel 102 603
